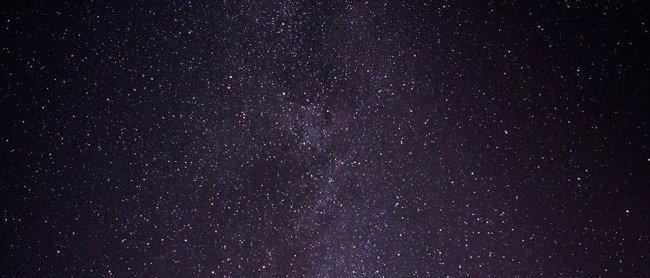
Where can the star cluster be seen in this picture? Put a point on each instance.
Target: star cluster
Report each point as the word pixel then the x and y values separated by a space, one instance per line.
pixel 325 139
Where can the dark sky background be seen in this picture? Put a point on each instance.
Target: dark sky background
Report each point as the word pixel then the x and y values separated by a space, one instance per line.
pixel 331 139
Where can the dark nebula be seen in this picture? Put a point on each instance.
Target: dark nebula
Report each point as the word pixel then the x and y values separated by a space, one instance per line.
pixel 325 139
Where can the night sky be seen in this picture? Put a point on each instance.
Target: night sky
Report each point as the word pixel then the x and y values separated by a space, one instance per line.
pixel 331 139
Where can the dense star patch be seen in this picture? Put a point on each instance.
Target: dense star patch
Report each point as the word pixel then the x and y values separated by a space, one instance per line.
pixel 324 139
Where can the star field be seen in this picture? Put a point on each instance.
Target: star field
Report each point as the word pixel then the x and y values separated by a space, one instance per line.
pixel 324 139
